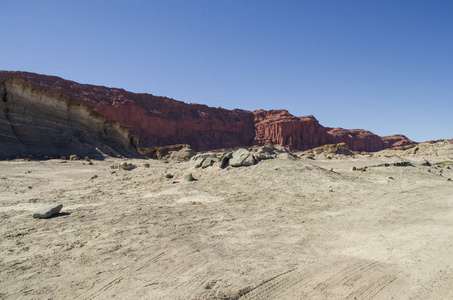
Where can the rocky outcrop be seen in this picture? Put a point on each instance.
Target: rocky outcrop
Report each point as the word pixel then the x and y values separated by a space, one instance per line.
pixel 328 150
pixel 397 140
pixel 161 121
pixel 302 133
pixel 438 149
pixel 281 128
pixel 357 139
pixel 36 122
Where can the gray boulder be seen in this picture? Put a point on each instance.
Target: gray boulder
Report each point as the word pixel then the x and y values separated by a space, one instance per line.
pixel 188 177
pixel 241 157
pixel 47 211
pixel 199 159
pixel 207 162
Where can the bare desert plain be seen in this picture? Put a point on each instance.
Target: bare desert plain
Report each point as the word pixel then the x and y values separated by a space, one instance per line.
pixel 283 228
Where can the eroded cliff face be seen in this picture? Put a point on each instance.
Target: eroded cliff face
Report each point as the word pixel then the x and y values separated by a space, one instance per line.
pixel 281 128
pixel 37 122
pixel 158 121
pixel 161 121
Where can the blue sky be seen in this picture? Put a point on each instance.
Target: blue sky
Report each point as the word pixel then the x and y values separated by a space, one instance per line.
pixel 385 66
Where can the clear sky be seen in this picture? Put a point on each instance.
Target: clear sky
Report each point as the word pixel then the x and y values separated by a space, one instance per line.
pixel 381 65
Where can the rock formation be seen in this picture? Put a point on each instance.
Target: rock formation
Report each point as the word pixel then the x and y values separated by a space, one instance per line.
pixel 36 122
pixel 161 121
pixel 281 128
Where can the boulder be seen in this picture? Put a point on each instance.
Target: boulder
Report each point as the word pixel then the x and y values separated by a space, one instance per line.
pixel 47 211
pixel 224 162
pixel 200 158
pixel 188 177
pixel 207 162
pixel 241 157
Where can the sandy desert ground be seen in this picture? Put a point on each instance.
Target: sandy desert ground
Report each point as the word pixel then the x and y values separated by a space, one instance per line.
pixel 280 229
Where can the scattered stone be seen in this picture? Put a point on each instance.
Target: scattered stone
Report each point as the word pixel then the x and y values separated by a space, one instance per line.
pixel 354 169
pixel 403 164
pixel 188 177
pixel 426 163
pixel 391 178
pixel 168 175
pixel 449 179
pixel 127 166
pixel 146 165
pixel 87 158
pixel 94 177
pixel 90 163
pixel 63 157
pixel 47 211
pixel 73 157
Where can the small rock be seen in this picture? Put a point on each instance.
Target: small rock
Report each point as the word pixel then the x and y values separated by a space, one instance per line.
pixel 73 157
pixel 188 177
pixel 354 169
pixel 94 177
pixel 90 163
pixel 426 163
pixel 87 158
pixel 391 178
pixel 127 166
pixel 449 179
pixel 168 175
pixel 47 211
pixel 146 165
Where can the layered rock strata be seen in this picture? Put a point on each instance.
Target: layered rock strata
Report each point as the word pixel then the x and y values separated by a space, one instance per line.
pixel 36 122
pixel 161 121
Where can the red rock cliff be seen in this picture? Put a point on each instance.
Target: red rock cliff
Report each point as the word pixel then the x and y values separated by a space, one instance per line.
pixel 282 128
pixel 160 121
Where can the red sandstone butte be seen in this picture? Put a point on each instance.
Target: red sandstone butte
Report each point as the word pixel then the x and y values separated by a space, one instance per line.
pixel 281 128
pixel 161 121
